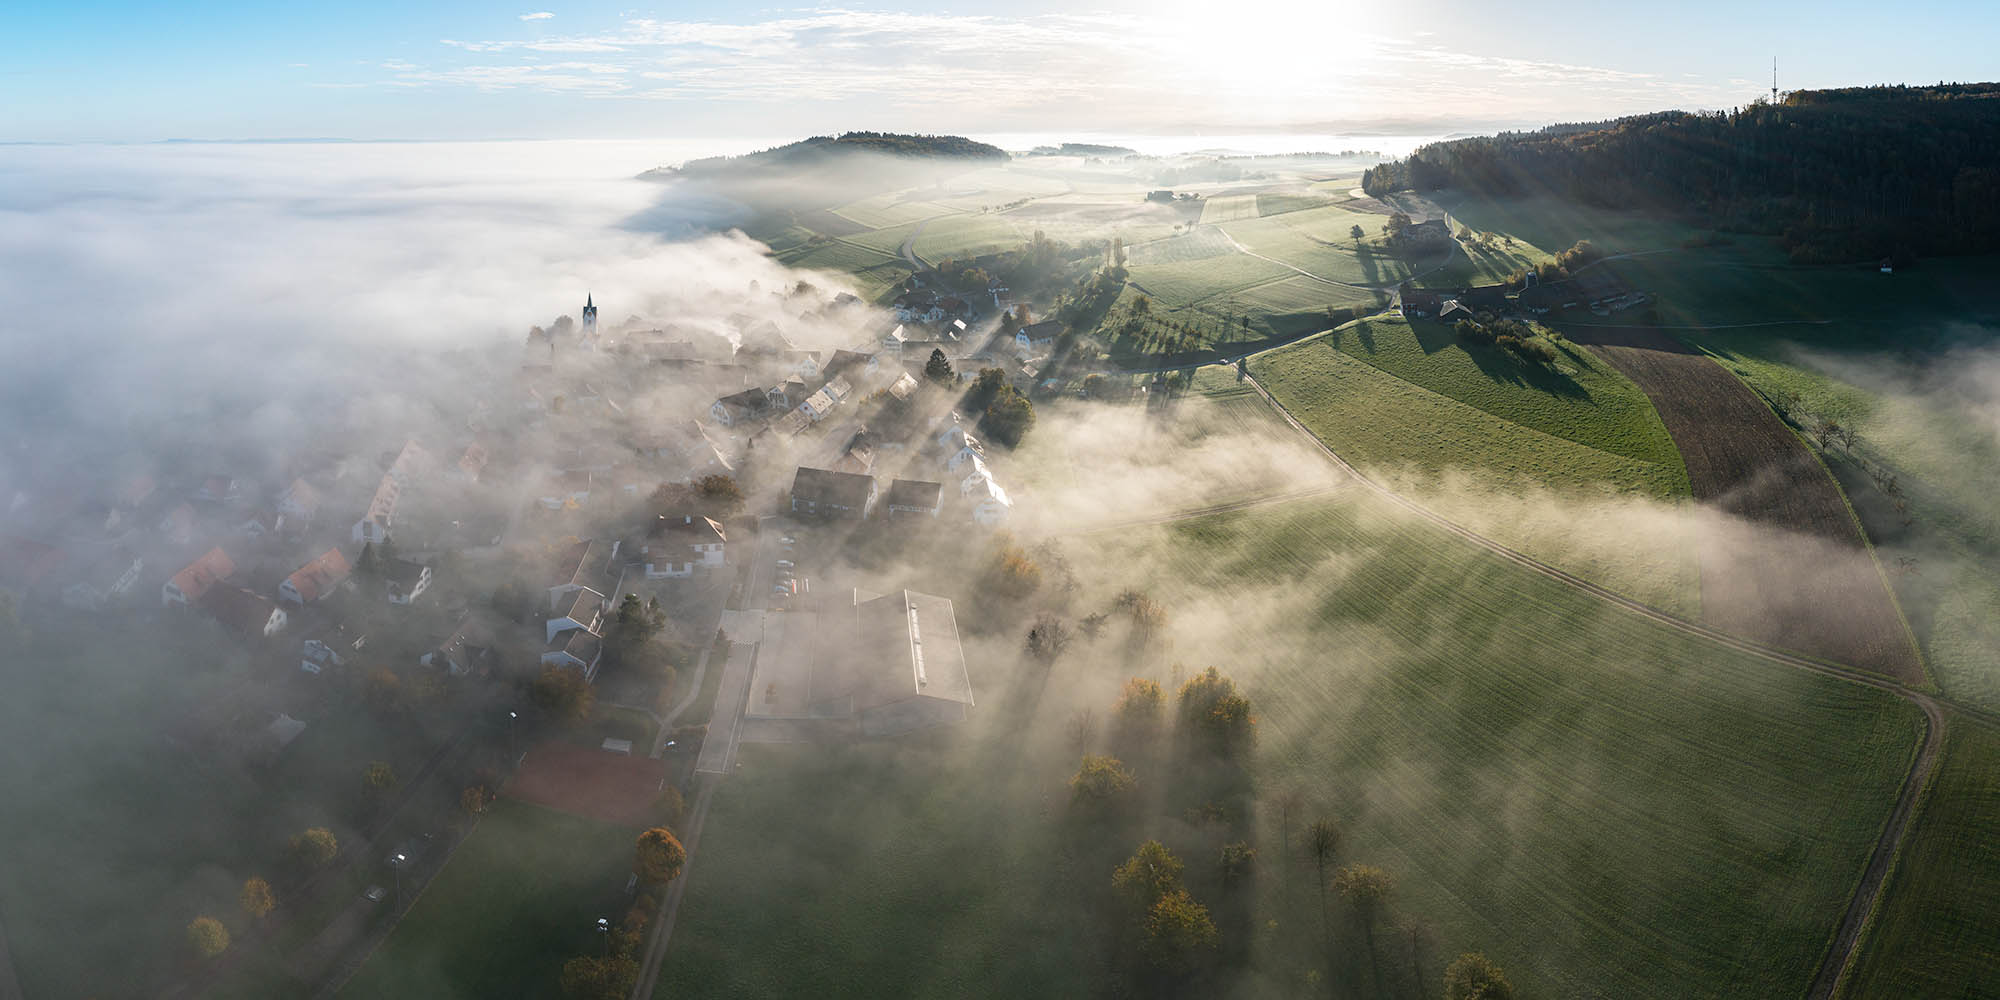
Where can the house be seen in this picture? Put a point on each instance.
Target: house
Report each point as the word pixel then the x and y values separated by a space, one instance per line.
pixel 788 393
pixel 839 388
pixel 566 488
pixel 818 405
pixel 853 366
pixel 894 664
pixel 317 579
pixel 953 308
pixel 737 408
pixel 579 609
pixel 1428 233
pixel 804 364
pixel 300 501
pixel 219 489
pixel 331 646
pixel 404 580
pixel 895 339
pixel 1540 299
pixel 244 611
pixel 178 526
pixel 990 504
pixel 952 436
pixel 192 583
pixel 826 493
pixel 134 492
pixel 1482 298
pixel 1037 338
pixel 466 651
pixel 581 566
pixel 678 547
pixel 577 650
pixel 373 528
pixel 261 524
pixel 913 496
pixel 903 387
pixel 111 578
pixel 1453 311
pixel 1419 304
pixel 472 462
pixel 917 307
pixel 411 462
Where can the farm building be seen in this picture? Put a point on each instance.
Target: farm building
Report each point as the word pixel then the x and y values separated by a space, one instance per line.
pixel 1418 304
pixel 826 493
pixel 896 664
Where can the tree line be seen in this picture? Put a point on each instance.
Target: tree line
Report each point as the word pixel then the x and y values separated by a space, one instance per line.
pixel 1842 176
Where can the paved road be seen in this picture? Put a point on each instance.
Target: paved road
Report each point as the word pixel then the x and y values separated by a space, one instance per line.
pixel 10 987
pixel 908 249
pixel 1867 893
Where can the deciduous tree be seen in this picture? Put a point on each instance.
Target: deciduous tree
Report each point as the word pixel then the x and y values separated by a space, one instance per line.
pixel 591 977
pixel 1473 976
pixel 316 847
pixel 257 899
pixel 1141 703
pixel 659 856
pixel 563 692
pixel 1047 638
pixel 1179 933
pixel 1237 860
pixel 1366 888
pixel 1150 873
pixel 1100 780
pixel 207 937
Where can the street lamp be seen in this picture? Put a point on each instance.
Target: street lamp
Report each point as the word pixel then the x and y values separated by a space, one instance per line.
pixel 396 865
pixel 604 930
pixel 512 717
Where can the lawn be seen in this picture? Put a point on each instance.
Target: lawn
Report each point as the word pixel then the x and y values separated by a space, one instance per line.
pixel 1606 806
pixel 518 899
pixel 1607 515
pixel 1934 934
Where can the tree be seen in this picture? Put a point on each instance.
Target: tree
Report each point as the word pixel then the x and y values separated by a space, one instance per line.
pixel 1099 780
pixel 1421 940
pixel 1365 888
pixel 1092 625
pixel 1213 709
pixel 1357 233
pixel 591 977
pixel 1398 221
pixel 207 937
pixel 659 856
pixel 985 388
pixel 1322 840
pixel 315 847
pixel 563 692
pixel 1473 976
pixel 378 776
pixel 719 493
pixel 1288 801
pixel 669 805
pixel 1237 860
pixel 1141 703
pixel 1009 417
pixel 938 368
pixel 1149 874
pixel 257 899
pixel 1149 619
pixel 1008 325
pixel 1047 638
pixel 1179 933
pixel 475 799
pixel 383 690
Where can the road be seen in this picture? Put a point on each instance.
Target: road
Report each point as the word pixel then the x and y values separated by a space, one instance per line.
pixel 1868 892
pixel 909 247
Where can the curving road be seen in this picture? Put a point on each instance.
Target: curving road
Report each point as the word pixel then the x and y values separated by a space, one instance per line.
pixel 1840 955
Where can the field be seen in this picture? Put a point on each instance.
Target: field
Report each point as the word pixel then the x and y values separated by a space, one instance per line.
pixel 1789 565
pixel 1606 507
pixel 518 899
pixel 1184 283
pixel 1228 208
pixel 1935 934
pixel 1605 805
pixel 586 781
pixel 968 236
pixel 873 273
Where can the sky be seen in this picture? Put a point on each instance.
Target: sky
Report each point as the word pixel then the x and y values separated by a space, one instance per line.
pixel 459 70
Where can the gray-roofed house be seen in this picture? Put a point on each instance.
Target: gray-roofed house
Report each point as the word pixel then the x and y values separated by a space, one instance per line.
pixel 896 664
pixel 737 408
pixel 913 496
pixel 826 493
pixel 676 547
pixel 583 608
pixel 581 566
pixel 575 649
pixel 405 581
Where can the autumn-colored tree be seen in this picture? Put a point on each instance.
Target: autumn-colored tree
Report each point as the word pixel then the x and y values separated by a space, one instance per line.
pixel 378 776
pixel 1150 873
pixel 658 856
pixel 1047 638
pixel 720 494
pixel 1012 574
pixel 382 690
pixel 316 847
pixel 1213 709
pixel 475 799
pixel 1140 704
pixel 1366 888
pixel 207 937
pixel 1473 976
pixel 591 977
pixel 257 899
pixel 1179 933
pixel 1099 780
pixel 563 692
pixel 1237 860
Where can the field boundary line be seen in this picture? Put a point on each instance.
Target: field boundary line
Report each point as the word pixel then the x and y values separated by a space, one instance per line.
pixel 1868 891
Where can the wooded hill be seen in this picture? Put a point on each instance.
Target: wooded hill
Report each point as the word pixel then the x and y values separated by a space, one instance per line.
pixel 822 150
pixel 1845 176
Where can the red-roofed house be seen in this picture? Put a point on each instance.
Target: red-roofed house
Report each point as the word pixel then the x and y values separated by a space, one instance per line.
pixel 190 584
pixel 316 579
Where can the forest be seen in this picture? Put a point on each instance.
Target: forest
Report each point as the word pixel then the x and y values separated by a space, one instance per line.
pixel 1845 176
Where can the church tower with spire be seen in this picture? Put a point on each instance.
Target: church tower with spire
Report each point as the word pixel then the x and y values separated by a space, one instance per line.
pixel 589 319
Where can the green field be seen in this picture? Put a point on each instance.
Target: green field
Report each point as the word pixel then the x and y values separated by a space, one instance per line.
pixel 1279 204
pixel 518 899
pixel 1317 242
pixel 1935 934
pixel 968 236
pixel 883 211
pixel 1228 208
pixel 1296 294
pixel 1583 478
pixel 1183 283
pixel 1606 806
pixel 873 273
pixel 1199 244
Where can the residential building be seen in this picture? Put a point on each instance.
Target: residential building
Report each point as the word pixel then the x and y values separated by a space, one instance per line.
pixel 1037 338
pixel 373 528
pixel 110 579
pixel 244 611
pixel 467 650
pixel 741 407
pixel 583 565
pixel 676 547
pixel 826 493
pixel 913 496
pixel 299 502
pixel 331 646
pixel 194 582
pixel 316 579
pixel 989 503
pixel 404 580
pixel 579 609
pixel 577 650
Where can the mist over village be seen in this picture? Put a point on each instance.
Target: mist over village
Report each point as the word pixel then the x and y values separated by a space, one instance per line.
pixel 609 503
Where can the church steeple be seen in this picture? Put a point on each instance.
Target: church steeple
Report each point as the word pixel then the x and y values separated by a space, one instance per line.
pixel 589 316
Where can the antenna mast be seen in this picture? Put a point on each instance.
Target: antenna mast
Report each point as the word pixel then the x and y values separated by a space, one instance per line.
pixel 1774 81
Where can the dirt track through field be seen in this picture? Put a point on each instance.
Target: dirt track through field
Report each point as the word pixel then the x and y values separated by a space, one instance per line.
pixel 1782 560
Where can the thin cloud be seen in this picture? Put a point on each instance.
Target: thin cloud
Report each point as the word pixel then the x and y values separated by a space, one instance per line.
pixel 540 15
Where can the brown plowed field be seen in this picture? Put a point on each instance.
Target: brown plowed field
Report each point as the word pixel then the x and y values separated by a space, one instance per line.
pixel 1782 560
pixel 586 781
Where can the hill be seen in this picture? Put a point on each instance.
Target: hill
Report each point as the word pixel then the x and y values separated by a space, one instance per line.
pixel 1844 176
pixel 822 150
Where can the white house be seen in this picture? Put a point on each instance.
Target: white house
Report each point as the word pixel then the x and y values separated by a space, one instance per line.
pixel 818 405
pixel 990 504
pixel 1037 338
pixel 736 408
pixel 300 501
pixel 579 609
pixel 894 339
pixel 804 364
pixel 582 566
pixel 968 455
pixel 678 548
pixel 575 649
pixel 952 436
pixel 404 580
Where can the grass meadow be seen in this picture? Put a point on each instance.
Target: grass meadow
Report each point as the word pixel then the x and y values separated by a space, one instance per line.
pixel 519 898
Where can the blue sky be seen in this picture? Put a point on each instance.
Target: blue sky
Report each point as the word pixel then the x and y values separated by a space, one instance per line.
pixel 606 70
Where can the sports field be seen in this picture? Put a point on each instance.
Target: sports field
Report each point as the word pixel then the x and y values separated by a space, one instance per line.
pixel 519 898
